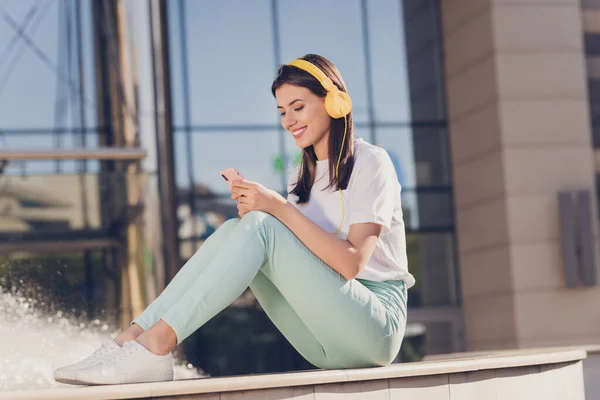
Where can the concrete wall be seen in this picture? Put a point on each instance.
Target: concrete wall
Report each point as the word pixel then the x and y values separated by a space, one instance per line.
pixel 520 132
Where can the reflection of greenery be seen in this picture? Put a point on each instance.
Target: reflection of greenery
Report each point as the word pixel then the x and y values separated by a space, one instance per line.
pixel 413 349
pixel 278 161
pixel 241 341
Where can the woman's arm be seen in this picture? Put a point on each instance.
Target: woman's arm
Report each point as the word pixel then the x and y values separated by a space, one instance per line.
pixel 347 257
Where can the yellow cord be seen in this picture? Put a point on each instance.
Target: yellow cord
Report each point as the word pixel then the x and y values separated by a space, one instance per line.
pixel 336 176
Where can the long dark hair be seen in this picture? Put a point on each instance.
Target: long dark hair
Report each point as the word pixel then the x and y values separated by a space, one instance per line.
pixel 298 77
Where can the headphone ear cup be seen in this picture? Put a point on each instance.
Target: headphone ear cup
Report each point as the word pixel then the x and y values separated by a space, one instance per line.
pixel 337 103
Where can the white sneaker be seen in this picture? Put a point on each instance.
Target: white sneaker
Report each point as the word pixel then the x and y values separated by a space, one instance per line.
pixel 133 363
pixel 67 373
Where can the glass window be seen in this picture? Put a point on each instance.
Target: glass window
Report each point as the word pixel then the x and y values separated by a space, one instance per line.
pixel 335 33
pixel 398 142
pixel 592 50
pixel 421 25
pixel 427 209
pixel 432 337
pixel 181 160
pixel 592 43
pixel 388 61
pixel 420 154
pixel 177 44
pixel 231 66
pixel 594 91
pixel 424 60
pixel 590 4
pixel 431 259
pixel 253 153
pixel 426 90
pixel 47 68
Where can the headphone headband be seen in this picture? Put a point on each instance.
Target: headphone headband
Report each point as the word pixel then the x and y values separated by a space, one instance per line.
pixel 314 71
pixel 337 103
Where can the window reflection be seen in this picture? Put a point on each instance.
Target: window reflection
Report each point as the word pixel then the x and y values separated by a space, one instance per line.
pixel 431 259
pixel 253 153
pixel 420 154
pixel 335 32
pixel 388 60
pixel 230 53
pixel 47 69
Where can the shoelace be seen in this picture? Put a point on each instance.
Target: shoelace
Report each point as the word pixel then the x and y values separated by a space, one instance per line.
pixel 104 349
pixel 121 354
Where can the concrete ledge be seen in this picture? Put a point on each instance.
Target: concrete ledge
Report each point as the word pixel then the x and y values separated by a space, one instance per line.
pixel 530 370
pixel 493 354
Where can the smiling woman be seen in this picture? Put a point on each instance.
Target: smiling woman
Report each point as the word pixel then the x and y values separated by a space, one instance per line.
pixel 307 117
pixel 339 297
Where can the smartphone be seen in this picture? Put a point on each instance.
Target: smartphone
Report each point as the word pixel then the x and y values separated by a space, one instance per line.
pixel 230 175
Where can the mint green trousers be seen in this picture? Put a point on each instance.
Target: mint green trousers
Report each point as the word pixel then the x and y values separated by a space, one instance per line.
pixel 332 322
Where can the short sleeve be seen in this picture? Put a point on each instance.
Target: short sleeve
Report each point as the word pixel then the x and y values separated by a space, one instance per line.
pixel 373 191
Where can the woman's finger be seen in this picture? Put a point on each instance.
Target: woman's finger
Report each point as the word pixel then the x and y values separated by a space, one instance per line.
pixel 239 184
pixel 244 200
pixel 243 191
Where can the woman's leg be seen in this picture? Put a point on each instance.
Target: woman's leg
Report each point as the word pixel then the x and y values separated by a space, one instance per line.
pixel 330 321
pixel 348 321
pixel 186 276
pixel 287 321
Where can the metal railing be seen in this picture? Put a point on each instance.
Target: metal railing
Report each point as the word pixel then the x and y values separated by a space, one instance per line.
pixel 101 153
pixel 60 245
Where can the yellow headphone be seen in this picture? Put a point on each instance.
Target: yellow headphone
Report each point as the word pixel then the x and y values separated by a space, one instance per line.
pixel 337 104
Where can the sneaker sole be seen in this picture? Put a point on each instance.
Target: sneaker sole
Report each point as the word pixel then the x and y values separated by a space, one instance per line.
pixel 168 377
pixel 69 381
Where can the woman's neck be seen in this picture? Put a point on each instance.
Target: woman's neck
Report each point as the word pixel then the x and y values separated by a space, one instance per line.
pixel 321 149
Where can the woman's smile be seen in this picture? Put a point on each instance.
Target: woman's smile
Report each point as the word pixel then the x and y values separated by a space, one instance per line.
pixel 297 133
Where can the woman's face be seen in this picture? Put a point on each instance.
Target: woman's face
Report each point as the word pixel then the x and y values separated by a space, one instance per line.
pixel 303 115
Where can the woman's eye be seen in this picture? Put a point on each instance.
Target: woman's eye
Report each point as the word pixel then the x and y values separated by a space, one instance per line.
pixel 295 109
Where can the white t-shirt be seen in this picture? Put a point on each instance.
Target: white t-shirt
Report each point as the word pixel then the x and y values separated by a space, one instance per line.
pixel 372 195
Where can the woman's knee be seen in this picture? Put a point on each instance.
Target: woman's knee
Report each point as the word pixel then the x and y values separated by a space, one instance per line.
pixel 388 352
pixel 230 223
pixel 259 217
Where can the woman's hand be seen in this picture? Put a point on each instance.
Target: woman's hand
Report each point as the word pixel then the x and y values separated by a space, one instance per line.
pixel 254 196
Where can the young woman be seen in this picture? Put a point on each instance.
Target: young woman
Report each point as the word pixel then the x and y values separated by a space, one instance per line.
pixel 328 264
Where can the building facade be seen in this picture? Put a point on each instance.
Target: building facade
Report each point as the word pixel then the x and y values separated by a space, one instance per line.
pixel 486 109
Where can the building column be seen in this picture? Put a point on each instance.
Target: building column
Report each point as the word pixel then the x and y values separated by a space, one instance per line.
pixel 520 133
